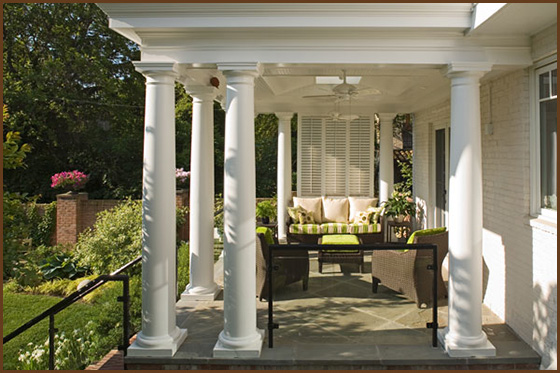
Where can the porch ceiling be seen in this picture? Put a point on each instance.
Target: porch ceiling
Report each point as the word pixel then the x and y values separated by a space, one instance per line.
pixel 398 49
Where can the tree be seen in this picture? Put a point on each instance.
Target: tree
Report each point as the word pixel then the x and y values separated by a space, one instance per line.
pixel 73 92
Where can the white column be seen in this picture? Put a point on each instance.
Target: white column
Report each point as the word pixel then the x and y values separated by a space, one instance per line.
pixel 385 156
pixel 284 171
pixel 160 335
pixel 464 336
pixel 240 337
pixel 201 206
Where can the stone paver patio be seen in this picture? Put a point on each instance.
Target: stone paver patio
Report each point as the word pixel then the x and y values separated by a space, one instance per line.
pixel 337 323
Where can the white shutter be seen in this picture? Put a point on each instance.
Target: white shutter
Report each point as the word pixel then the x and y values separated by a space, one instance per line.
pixel 310 156
pixel 360 162
pixel 335 158
pixel 335 168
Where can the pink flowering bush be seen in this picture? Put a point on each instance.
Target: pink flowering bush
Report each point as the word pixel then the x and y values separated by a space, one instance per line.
pixel 69 180
pixel 182 176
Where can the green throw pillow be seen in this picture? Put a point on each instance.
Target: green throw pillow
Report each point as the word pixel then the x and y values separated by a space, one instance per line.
pixel 375 213
pixel 293 212
pixel 268 236
pixel 305 217
pixel 425 232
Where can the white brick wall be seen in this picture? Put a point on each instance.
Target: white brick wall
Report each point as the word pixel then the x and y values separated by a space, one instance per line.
pixel 519 254
pixel 544 43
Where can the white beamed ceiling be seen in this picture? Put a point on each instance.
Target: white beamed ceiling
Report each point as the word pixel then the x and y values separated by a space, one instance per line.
pixel 399 49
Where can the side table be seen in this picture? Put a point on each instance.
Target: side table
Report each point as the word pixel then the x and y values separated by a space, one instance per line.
pixel 394 224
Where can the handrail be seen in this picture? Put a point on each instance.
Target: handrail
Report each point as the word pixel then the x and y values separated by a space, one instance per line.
pixel 74 297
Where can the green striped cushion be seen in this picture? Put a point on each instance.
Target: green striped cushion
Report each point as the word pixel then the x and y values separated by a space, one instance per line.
pixel 334 228
pixel 342 228
pixel 305 228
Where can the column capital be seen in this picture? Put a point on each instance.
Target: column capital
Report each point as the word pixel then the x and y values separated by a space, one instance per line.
pixel 232 69
pixel 155 70
pixel 284 115
pixel 385 117
pixel 467 69
pixel 201 93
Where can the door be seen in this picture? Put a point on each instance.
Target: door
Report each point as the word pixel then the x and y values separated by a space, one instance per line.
pixel 440 178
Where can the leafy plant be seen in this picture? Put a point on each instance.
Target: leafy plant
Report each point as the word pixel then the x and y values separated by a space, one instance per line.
pixel 406 172
pixel 114 240
pixel 266 209
pixel 182 268
pixel 70 352
pixel 116 237
pixel 400 203
pixel 219 214
pixel 61 265
pixel 45 226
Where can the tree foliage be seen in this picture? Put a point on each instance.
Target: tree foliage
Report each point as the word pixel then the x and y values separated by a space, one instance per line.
pixel 75 97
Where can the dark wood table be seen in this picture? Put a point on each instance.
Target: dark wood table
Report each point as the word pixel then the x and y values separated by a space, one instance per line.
pixel 364 247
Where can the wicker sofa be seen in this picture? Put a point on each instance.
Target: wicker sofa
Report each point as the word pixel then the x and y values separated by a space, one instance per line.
pixel 335 215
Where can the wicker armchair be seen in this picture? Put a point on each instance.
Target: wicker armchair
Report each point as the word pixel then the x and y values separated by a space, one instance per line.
pixel 294 267
pixel 407 273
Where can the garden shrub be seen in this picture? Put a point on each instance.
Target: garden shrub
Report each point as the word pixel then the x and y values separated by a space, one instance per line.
pixel 182 268
pixel 108 325
pixel 114 240
pixel 116 237
pixel 45 225
pixel 16 231
pixel 71 353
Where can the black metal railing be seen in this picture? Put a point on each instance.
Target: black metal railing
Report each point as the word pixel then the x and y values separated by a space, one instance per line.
pixel 77 295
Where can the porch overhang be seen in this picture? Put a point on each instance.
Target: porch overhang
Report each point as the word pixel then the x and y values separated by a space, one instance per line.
pixel 399 49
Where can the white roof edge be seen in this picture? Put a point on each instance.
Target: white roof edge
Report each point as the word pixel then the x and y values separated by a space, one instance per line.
pixel 483 12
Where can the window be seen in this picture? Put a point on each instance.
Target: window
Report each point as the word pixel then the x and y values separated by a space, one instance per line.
pixel 546 113
pixel 335 157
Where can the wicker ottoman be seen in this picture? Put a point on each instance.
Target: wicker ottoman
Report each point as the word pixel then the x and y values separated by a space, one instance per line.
pixel 340 256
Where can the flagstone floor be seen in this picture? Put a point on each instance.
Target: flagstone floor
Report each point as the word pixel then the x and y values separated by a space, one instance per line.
pixel 337 323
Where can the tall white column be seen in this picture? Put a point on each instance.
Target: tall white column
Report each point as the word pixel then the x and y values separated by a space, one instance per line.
pixel 464 336
pixel 201 206
pixel 385 156
pixel 284 171
pixel 160 335
pixel 240 337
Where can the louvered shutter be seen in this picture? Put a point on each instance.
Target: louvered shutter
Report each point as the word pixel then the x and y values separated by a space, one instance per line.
pixel 360 159
pixel 335 149
pixel 310 154
pixel 335 158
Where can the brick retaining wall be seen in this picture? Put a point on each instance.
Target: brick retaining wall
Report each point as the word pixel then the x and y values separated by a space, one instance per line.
pixel 75 213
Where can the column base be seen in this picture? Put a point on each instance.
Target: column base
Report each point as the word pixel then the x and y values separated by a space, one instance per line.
pixel 250 350
pixel 158 347
pixel 200 294
pixel 454 349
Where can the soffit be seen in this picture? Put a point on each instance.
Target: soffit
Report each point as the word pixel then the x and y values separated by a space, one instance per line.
pixel 519 19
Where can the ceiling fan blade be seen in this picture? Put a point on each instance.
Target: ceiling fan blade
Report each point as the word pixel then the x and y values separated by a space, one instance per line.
pixel 368 91
pixel 319 96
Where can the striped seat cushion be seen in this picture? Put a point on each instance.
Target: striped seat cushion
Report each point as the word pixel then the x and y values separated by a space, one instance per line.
pixel 305 228
pixel 342 228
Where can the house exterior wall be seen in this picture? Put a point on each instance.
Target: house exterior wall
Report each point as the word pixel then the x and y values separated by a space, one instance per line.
pixel 520 251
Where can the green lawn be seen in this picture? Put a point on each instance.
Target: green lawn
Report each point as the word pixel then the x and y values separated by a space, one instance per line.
pixel 20 308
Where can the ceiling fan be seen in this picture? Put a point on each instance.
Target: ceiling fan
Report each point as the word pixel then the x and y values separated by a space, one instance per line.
pixel 345 91
pixel 336 115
